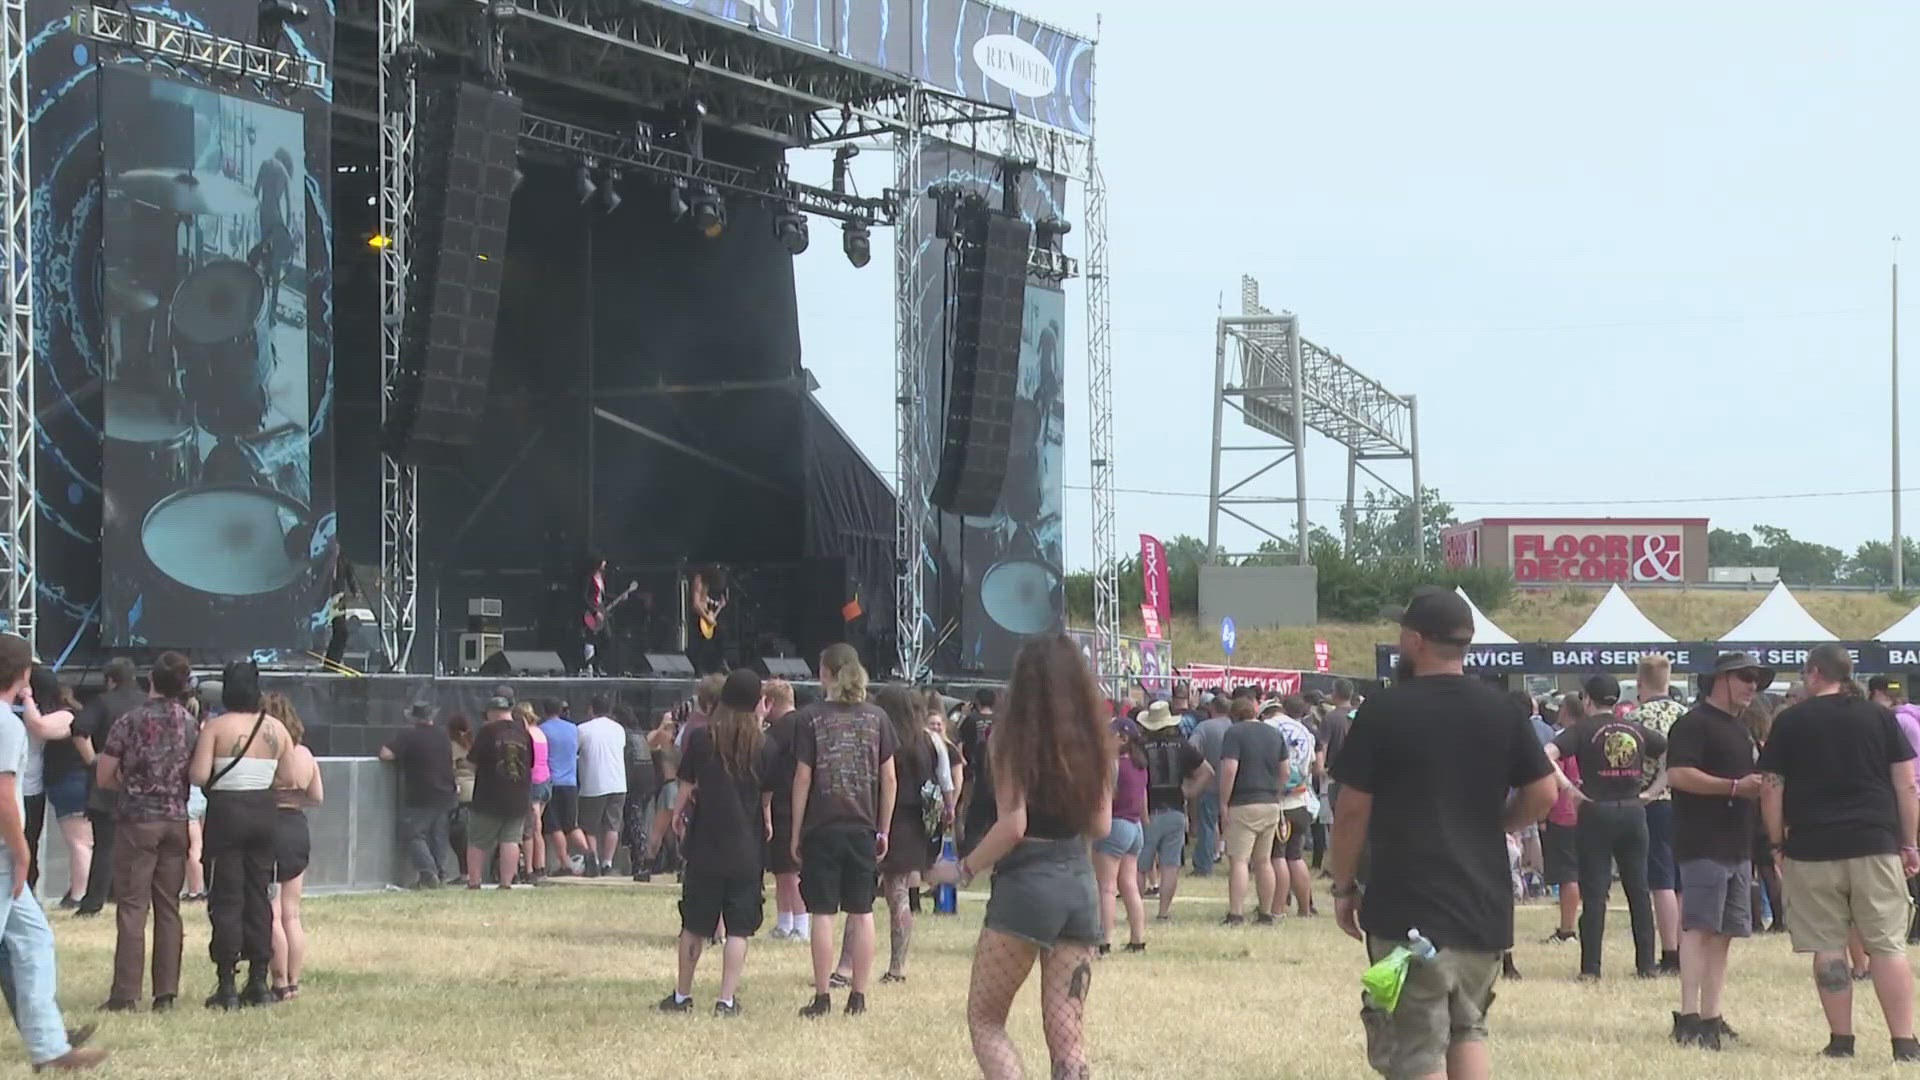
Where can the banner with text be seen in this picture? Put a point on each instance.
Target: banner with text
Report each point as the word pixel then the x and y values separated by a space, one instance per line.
pixel 1270 680
pixel 1154 590
pixel 1689 657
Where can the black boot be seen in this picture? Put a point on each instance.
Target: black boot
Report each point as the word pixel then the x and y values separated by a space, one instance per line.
pixel 256 991
pixel 224 994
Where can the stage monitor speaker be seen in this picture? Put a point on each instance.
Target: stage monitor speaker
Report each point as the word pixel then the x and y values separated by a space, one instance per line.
pixel 783 667
pixel 523 662
pixel 989 306
pixel 464 155
pixel 673 664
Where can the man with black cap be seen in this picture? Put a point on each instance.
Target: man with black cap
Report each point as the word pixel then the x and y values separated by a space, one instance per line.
pixel 502 758
pixel 1424 779
pixel 1710 756
pixel 427 794
pixel 1612 827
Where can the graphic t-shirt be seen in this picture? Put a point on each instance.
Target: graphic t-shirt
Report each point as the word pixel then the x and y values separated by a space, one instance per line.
pixel 1300 747
pixel 845 746
pixel 1262 753
pixel 1171 759
pixel 725 834
pixel 1718 827
pixel 1657 715
pixel 1613 755
pixel 563 750
pixel 1439 753
pixel 1836 754
pixel 502 758
pixel 154 745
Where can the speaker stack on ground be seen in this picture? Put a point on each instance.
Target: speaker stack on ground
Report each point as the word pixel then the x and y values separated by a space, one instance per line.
pixel 464 142
pixel 983 326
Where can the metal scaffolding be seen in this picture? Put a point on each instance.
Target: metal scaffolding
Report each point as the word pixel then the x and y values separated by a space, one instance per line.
pixel 912 511
pixel 18 567
pixel 399 483
pixel 1106 557
pixel 1283 385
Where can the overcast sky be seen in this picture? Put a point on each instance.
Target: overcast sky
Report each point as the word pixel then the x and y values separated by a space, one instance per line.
pixel 1621 251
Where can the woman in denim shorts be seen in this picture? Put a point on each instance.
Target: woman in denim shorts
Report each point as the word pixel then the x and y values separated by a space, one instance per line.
pixel 1116 859
pixel 1048 773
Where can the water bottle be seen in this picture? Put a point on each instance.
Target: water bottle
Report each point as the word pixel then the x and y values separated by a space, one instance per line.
pixel 1419 946
pixel 946 898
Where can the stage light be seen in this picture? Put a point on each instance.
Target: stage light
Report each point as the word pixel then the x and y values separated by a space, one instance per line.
pixel 857 242
pixel 841 156
pixel 790 228
pixel 1048 231
pixel 282 13
pixel 378 241
pixel 583 181
pixel 677 199
pixel 709 211
pixel 610 198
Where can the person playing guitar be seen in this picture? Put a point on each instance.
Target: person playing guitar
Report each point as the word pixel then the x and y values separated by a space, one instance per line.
pixel 597 639
pixel 708 599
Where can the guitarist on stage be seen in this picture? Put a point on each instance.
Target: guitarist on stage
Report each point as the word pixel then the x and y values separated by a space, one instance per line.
pixel 596 651
pixel 707 599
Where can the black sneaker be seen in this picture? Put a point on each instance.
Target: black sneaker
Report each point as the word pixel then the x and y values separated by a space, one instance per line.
pixel 822 1005
pixel 1685 1027
pixel 1707 1034
pixel 1670 963
pixel 1136 946
pixel 1508 969
pixel 856 1003
pixel 1264 918
pixel 642 877
pixel 590 870
pixel 1587 977
pixel 1104 948
pixel 68 903
pixel 1646 973
pixel 1234 920
pixel 1559 936
pixel 1720 1025
pixel 1906 1049
pixel 727 1008
pixel 1838 1046
pixel 672 1003
pixel 163 1003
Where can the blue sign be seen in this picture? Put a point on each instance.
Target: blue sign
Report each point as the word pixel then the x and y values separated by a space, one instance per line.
pixel 1227 636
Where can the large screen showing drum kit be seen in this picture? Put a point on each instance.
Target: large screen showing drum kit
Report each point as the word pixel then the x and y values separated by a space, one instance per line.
pixel 208 539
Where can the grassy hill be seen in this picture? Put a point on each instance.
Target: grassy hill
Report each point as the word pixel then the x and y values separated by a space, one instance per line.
pixel 1535 616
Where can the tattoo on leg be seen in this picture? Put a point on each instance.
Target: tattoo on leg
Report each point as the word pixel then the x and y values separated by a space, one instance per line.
pixel 1071 1070
pixel 1832 976
pixel 1080 982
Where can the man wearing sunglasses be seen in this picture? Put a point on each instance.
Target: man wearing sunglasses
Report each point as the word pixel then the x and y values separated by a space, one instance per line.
pixel 1710 767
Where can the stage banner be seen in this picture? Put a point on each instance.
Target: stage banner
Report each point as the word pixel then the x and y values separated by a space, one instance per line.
pixel 1786 658
pixel 1153 579
pixel 1146 664
pixel 1272 681
pixel 966 47
pixel 214 532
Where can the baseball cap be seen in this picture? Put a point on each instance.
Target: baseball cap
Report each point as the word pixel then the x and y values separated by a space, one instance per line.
pixel 741 690
pixel 1879 684
pixel 1602 689
pixel 1436 614
pixel 501 703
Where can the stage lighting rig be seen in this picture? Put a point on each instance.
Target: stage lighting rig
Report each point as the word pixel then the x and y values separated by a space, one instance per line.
pixel 790 228
pixel 403 65
pixel 609 197
pixel 690 116
pixel 1048 231
pixel 857 241
pixel 276 16
pixel 842 156
pixel 583 185
pixel 709 211
pixel 677 198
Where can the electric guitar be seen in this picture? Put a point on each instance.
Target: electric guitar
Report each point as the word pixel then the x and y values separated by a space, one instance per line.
pixel 595 619
pixel 710 617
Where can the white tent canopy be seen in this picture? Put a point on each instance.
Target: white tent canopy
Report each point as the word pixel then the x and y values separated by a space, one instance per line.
pixel 1779 618
pixel 1484 631
pixel 1617 619
pixel 1907 629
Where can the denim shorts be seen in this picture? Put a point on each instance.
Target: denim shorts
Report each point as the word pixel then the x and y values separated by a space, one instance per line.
pixel 68 795
pixel 543 791
pixel 1124 839
pixel 1043 892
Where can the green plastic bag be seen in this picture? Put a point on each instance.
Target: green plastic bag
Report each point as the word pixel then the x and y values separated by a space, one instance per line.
pixel 1384 979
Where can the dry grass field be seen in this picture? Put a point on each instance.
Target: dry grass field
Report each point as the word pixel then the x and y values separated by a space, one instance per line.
pixel 561 983
pixel 1539 615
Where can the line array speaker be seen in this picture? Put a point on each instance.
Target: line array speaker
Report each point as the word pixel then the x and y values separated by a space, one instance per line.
pixel 464 146
pixel 984 327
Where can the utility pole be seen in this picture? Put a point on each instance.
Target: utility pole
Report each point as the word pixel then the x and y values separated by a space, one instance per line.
pixel 1899 543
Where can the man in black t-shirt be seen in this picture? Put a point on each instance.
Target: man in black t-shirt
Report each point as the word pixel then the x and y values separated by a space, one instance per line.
pixel 1710 768
pixel 502 758
pixel 791 918
pixel 427 794
pixel 1840 811
pixel 96 718
pixel 1612 827
pixel 976 796
pixel 1175 772
pixel 1425 774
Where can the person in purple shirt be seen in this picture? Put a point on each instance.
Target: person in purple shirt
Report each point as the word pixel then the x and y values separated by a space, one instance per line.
pixel 1886 694
pixel 1116 859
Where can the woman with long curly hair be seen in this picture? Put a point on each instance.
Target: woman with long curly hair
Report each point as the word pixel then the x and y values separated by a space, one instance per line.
pixel 292 849
pixel 725 819
pixel 1052 778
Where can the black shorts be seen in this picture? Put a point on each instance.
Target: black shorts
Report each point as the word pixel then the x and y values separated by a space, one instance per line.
pixel 780 848
pixel 292 846
pixel 838 864
pixel 1560 853
pixel 1299 828
pixel 707 898
pixel 563 810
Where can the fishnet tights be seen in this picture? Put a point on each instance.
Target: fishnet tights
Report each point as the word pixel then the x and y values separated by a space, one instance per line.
pixel 1000 967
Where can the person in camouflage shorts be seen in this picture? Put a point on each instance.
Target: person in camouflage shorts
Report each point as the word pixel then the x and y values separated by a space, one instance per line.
pixel 1657 711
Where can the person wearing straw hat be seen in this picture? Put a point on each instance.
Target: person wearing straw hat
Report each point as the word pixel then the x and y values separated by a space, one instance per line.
pixel 1176 771
pixel 1710 755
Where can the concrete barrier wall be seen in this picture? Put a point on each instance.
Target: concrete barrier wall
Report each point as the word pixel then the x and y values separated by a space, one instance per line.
pixel 354 846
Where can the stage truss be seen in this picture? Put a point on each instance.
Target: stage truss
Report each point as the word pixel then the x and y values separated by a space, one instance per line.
pixel 598 52
pixel 1283 385
pixel 18 576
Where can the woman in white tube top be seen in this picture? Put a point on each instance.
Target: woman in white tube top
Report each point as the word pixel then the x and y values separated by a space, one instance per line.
pixel 237 758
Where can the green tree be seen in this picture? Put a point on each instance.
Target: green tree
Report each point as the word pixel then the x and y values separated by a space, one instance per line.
pixel 1872 563
pixel 1382 526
